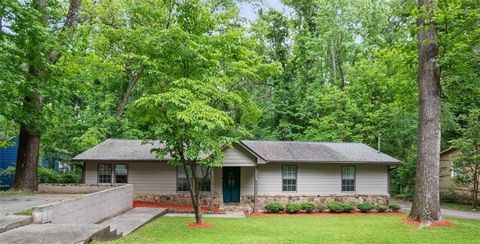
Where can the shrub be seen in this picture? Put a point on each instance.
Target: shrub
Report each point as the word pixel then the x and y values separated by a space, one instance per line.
pixel 335 207
pixel 381 208
pixel 395 207
pixel 274 207
pixel 293 207
pixel 348 207
pixel 365 207
pixel 322 207
pixel 308 206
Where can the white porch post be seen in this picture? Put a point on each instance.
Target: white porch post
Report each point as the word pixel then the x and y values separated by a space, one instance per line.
pixel 212 189
pixel 255 190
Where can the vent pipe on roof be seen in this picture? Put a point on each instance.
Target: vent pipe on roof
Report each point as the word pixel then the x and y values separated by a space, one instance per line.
pixel 379 140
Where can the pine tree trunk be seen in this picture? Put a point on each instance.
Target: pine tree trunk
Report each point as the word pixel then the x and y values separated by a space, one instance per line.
pixel 426 201
pixel 27 161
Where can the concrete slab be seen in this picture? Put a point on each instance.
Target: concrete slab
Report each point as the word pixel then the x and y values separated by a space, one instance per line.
pixel 54 234
pixel 13 221
pixel 12 204
pixel 230 215
pixel 133 219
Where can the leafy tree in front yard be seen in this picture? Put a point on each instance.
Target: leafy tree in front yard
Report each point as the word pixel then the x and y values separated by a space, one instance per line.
pixel 466 164
pixel 199 104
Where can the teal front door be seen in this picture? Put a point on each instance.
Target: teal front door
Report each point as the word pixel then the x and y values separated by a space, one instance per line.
pixel 231 184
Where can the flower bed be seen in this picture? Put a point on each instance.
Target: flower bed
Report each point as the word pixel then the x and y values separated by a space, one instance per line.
pixel 202 225
pixel 434 224
pixel 322 214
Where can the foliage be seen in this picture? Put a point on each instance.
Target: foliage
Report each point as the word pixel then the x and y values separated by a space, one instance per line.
pixel 308 207
pixel 394 207
pixel 331 229
pixel 274 207
pixel 381 208
pixel 339 207
pixel 47 175
pixel 365 207
pixel 293 207
pixel 466 164
pixel 24 212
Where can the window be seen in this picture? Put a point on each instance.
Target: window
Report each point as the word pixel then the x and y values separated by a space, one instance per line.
pixel 182 184
pixel 121 173
pixel 289 178
pixel 105 173
pixel 348 178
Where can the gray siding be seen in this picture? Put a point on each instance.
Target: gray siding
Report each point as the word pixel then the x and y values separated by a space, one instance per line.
pixel 312 179
pixel 372 179
pixel 323 179
pixel 237 156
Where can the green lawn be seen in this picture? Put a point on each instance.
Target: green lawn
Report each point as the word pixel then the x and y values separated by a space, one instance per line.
pixel 300 229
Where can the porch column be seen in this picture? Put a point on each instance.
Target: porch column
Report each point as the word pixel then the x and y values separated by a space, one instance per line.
pixel 212 189
pixel 255 190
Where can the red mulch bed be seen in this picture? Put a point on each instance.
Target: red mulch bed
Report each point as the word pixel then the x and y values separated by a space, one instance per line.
pixel 322 214
pixel 173 207
pixel 202 225
pixel 434 224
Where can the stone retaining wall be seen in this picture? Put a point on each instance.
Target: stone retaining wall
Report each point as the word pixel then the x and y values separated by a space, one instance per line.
pixel 263 200
pixel 87 209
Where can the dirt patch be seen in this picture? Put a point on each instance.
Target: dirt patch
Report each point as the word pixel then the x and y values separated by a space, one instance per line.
pixel 201 225
pixel 323 214
pixel 176 208
pixel 434 224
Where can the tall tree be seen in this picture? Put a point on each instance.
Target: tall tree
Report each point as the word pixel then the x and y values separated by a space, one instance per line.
pixel 39 56
pixel 426 201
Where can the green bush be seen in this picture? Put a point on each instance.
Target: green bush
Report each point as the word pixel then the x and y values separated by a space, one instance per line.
pixel 322 207
pixel 308 206
pixel 365 207
pixel 274 207
pixel 381 208
pixel 348 207
pixel 335 207
pixel 293 207
pixel 395 207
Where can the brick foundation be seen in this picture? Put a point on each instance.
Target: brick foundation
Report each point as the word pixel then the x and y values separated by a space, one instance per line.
pixel 247 202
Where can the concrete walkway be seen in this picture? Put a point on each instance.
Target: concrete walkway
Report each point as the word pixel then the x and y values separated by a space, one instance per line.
pixel 13 221
pixel 133 219
pixel 406 206
pixel 55 234
pixel 230 215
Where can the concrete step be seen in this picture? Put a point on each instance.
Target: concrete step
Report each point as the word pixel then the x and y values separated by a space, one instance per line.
pixel 57 234
pixel 133 219
pixel 14 221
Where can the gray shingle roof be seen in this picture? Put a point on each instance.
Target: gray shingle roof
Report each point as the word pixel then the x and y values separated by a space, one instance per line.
pixel 119 149
pixel 317 152
pixel 270 151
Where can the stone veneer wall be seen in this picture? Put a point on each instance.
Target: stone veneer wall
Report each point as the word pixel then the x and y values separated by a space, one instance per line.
pixel 265 199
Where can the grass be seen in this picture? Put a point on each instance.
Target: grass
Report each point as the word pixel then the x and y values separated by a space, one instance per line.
pixel 302 229
pixel 9 193
pixel 457 206
pixel 24 212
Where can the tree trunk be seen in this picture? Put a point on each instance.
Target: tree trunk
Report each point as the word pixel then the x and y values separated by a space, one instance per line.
pixel 194 189
pixel 128 92
pixel 29 143
pixel 426 201
pixel 27 161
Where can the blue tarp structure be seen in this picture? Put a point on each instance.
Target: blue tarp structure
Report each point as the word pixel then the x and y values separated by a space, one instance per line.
pixel 8 157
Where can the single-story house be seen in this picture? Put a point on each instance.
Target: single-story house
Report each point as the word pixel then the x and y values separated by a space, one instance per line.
pixel 254 173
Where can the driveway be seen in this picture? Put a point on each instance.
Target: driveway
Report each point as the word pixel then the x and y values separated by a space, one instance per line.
pixel 13 204
pixel 406 206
